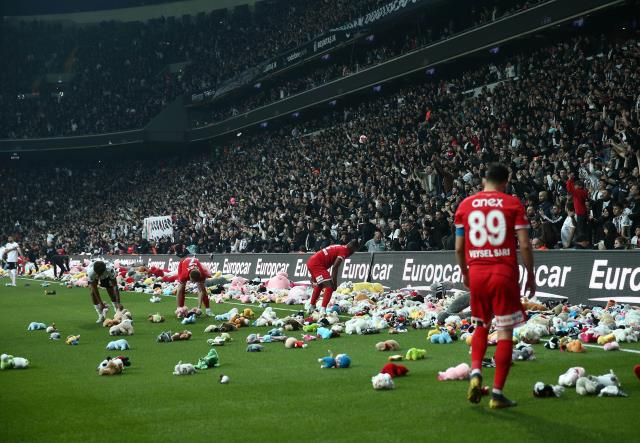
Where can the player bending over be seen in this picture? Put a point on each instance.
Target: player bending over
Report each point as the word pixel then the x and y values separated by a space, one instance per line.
pixel 190 269
pixel 319 263
pixel 486 227
pixel 104 274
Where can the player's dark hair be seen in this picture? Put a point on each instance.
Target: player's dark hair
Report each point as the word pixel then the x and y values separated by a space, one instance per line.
pixel 497 173
pixel 195 275
pixel 353 245
pixel 99 266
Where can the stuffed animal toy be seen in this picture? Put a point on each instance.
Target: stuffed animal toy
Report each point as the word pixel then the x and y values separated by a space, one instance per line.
pixel 189 319
pixel 111 366
pixel 51 329
pixel 11 362
pixel 54 336
pixel 325 333
pixel 609 379
pixel 181 312
pixel 184 369
pixel 388 345
pixel 118 345
pixel 636 370
pixel 604 339
pixel 35 326
pixel 309 337
pixel 267 318
pixel 180 336
pixel 587 386
pixel 155 299
pixel 394 370
pixel 108 322
pixel 156 318
pixel 553 343
pixel 218 341
pixel 164 337
pixel 292 342
pixel 122 315
pixel 124 328
pixel 226 317
pixel 255 347
pixel 570 377
pixel 612 391
pixel 416 354
pixel 339 361
pixel 441 338
pixel 611 346
pixel 224 379
pixel 575 346
pixel 460 372
pixel 541 390
pixel 125 360
pixel 72 340
pixel 248 314
pixel 382 381
pixel 211 360
pixel 396 357
pixel 313 327
pixel 523 352
pixel 253 338
pixel 49 292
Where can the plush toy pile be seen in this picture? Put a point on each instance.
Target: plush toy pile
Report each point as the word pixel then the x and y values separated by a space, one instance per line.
pixel 11 362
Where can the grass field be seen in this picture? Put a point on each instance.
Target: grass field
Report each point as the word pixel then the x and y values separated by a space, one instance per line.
pixel 278 395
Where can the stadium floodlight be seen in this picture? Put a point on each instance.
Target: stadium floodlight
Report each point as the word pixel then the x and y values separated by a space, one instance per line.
pixel 238 134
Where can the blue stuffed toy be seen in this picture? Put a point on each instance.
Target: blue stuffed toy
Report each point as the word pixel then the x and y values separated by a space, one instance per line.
pixel 190 319
pixel 325 333
pixel 255 348
pixel 118 345
pixel 34 326
pixel 441 338
pixel 339 361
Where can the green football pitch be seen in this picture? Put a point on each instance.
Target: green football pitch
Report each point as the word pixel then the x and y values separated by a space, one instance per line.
pixel 278 395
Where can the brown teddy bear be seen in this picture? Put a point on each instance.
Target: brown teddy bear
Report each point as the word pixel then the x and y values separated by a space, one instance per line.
pixel 184 335
pixel 388 345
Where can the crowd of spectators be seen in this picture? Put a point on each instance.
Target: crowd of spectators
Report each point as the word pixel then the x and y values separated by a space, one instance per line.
pixel 116 76
pixel 389 171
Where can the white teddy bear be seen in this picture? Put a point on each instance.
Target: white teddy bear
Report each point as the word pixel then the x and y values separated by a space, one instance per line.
pixel 184 369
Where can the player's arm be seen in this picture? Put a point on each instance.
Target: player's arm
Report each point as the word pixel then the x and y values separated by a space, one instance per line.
pixel 461 256
pixel 527 258
pixel 334 271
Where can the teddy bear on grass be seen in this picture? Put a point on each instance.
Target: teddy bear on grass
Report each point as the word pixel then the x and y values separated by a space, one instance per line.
pixel 10 362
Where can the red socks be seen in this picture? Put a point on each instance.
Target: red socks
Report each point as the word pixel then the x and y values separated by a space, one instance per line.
pixel 326 297
pixel 502 357
pixel 478 346
pixel 637 371
pixel 315 294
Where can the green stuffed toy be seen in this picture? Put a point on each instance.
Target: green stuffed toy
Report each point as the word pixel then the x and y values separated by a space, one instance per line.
pixel 211 360
pixel 313 327
pixel 416 354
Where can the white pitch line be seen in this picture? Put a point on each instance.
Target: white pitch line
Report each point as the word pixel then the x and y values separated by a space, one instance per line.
pixel 633 351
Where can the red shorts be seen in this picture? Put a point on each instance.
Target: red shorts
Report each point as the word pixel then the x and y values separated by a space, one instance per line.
pixel 318 272
pixel 495 295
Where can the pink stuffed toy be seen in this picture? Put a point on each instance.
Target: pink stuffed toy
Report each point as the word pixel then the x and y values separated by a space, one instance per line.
pixel 181 312
pixel 460 372
pixel 611 346
pixel 239 284
pixel 297 295
pixel 279 281
pixel 588 337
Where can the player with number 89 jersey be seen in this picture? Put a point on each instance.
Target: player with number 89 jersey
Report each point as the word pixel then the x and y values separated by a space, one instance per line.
pixel 487 225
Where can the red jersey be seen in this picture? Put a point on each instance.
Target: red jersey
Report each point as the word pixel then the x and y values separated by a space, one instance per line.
pixel 187 265
pixel 327 256
pixel 490 220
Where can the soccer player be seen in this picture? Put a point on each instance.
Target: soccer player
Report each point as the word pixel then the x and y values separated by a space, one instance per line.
pixel 487 224
pixel 319 263
pixel 12 251
pixel 190 269
pixel 104 274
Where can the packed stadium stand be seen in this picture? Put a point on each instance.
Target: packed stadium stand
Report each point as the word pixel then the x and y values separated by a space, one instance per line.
pixel 391 165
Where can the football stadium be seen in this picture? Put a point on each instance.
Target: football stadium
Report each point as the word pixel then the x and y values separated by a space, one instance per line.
pixel 320 220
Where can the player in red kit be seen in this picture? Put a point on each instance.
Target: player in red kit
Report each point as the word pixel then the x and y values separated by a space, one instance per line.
pixel 190 269
pixel 319 263
pixel 487 225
